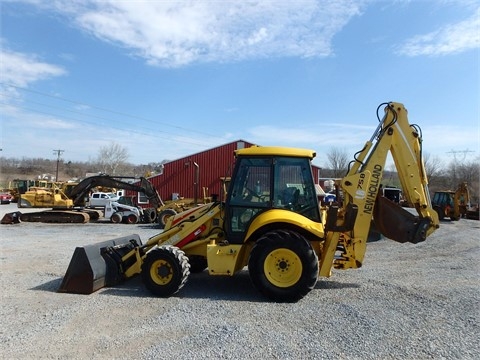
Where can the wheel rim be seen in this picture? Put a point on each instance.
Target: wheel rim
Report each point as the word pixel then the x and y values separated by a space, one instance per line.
pixel 283 268
pixel 165 217
pixel 161 272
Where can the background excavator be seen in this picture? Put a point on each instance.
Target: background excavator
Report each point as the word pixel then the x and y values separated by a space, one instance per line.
pixel 453 204
pixel 71 208
pixel 271 222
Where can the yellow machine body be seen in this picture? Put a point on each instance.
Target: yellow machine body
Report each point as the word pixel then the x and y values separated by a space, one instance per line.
pixel 273 223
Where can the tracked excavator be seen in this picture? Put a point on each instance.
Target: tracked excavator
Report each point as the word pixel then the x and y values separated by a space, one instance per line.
pixel 71 208
pixel 270 221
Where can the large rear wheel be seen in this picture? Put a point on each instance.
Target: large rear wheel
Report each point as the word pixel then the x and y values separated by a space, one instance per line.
pixel 283 266
pixel 165 270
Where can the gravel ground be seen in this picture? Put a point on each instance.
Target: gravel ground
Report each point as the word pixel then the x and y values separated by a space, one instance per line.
pixel 407 302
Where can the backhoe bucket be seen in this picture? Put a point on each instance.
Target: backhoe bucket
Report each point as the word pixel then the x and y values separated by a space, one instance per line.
pixel 91 269
pixel 396 223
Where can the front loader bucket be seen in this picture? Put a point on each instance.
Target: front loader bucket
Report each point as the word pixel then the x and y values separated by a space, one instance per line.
pixel 396 223
pixel 90 269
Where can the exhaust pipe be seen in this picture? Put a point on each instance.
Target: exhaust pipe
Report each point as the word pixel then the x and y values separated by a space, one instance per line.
pixel 91 268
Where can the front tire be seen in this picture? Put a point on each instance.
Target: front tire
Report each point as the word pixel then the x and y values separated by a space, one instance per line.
pixel 283 266
pixel 164 216
pixel 440 212
pixel 165 270
pixel 116 218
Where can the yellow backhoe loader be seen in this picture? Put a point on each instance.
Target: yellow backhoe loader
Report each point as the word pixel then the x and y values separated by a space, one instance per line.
pixel 271 222
pixel 452 204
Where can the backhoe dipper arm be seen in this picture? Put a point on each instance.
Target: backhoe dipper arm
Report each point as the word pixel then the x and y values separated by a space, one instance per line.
pixel 348 228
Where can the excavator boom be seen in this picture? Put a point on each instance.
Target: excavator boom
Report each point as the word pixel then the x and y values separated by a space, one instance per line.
pixel 79 192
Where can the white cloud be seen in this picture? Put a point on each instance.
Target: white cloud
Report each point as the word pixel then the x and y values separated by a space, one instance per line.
pixel 177 33
pixel 450 39
pixel 21 69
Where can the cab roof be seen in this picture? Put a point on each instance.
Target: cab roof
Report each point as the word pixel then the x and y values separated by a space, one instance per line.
pixel 275 151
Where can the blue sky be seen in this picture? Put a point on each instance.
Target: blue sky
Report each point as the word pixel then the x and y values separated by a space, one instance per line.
pixel 166 79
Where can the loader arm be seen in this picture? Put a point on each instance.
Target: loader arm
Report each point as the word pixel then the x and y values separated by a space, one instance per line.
pixel 348 227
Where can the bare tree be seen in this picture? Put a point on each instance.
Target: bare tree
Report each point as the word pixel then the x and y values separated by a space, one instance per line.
pixel 110 157
pixel 469 172
pixel 338 161
pixel 433 166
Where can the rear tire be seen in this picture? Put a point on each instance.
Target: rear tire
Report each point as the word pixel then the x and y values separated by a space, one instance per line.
pixel 165 270
pixel 132 219
pixel 283 266
pixel 164 216
pixel 150 215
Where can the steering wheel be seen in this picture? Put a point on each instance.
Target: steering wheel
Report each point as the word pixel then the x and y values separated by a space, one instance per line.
pixel 249 194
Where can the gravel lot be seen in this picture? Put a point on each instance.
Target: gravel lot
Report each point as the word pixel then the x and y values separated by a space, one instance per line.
pixel 407 302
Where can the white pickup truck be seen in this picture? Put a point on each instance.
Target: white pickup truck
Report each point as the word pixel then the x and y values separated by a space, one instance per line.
pixel 101 199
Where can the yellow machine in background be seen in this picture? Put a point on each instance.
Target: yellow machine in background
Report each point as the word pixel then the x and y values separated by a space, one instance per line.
pixel 71 208
pixel 42 197
pixel 271 222
pixel 452 204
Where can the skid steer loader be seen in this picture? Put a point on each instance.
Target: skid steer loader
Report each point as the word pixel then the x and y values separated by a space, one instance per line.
pixel 271 222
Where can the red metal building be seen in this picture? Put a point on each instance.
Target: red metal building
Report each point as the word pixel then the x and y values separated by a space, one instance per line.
pixel 187 177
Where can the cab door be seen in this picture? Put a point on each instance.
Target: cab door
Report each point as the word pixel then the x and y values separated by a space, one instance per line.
pixel 248 195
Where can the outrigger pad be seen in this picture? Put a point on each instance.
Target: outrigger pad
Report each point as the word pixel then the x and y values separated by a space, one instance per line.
pixel 88 271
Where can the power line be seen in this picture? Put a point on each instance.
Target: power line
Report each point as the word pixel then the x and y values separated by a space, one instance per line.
pixel 464 152
pixel 102 118
pixel 107 110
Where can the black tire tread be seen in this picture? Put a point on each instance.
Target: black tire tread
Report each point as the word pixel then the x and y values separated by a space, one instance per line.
pixel 180 264
pixel 293 241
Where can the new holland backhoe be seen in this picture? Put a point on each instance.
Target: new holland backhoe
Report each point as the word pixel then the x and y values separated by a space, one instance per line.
pixel 271 222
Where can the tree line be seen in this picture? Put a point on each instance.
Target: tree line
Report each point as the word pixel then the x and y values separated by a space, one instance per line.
pixel 112 159
pixel 441 176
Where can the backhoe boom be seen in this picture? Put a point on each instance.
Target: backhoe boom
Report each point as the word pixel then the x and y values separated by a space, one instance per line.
pixel 361 188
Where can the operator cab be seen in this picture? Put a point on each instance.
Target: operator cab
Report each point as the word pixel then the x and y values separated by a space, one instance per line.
pixel 264 180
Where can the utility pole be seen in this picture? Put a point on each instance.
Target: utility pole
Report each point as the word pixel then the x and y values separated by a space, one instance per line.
pixel 464 152
pixel 58 153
